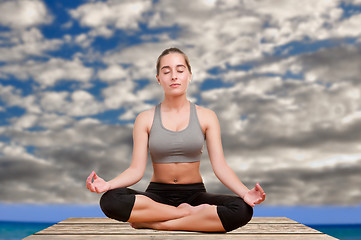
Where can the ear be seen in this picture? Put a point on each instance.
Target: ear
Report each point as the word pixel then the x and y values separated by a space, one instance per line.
pixel 157 79
pixel 190 78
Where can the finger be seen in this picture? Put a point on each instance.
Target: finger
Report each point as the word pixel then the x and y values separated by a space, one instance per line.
pixel 262 198
pixel 88 186
pixel 89 179
pixel 257 202
pixel 92 188
pixel 97 190
pixel 259 188
pixel 250 203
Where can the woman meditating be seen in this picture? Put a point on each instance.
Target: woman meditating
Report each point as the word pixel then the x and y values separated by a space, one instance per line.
pixel 174 133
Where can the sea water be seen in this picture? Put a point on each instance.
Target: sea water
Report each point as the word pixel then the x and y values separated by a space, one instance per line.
pixel 20 230
pixel 342 231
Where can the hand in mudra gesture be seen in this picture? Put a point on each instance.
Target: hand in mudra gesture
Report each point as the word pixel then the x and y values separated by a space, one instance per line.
pixel 97 184
pixel 255 196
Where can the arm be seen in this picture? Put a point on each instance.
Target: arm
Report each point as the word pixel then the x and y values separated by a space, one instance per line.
pixel 220 167
pixel 140 155
pixel 136 170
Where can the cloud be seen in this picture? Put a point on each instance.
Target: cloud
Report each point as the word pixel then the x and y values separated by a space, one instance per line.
pixel 13 97
pixel 355 2
pixel 49 73
pixel 288 133
pixel 78 103
pixel 23 14
pixel 105 17
pixel 142 60
pixel 112 73
pixel 27 43
pixel 25 121
pixel 285 10
pixel 348 27
pixel 326 64
pixel 120 94
pixel 83 103
pixel 54 101
pixel 282 78
pixel 324 186
pixel 59 152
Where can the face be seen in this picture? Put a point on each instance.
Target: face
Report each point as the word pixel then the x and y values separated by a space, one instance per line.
pixel 174 75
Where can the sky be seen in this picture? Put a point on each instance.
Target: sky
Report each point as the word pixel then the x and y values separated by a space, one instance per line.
pixel 282 76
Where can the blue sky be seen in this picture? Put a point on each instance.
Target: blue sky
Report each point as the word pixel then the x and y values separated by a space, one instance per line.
pixel 310 215
pixel 282 77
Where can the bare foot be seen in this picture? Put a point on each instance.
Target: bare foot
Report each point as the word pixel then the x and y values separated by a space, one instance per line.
pixel 193 209
pixel 139 225
pixel 188 209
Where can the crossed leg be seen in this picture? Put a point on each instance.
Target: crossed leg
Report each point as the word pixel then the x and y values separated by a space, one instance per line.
pixel 145 210
pixel 147 213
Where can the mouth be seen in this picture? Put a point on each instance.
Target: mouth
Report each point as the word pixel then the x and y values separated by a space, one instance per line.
pixel 175 85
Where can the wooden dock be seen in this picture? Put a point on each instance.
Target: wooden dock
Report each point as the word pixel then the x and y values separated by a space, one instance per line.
pixel 104 228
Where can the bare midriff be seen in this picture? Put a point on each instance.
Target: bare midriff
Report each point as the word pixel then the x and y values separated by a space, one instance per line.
pixel 176 173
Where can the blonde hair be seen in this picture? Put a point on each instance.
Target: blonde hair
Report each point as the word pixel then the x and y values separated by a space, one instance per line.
pixel 173 50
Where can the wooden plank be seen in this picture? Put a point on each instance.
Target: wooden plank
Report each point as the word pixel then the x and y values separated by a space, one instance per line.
pixel 66 229
pixel 89 220
pixel 182 237
pixel 105 228
pixel 96 220
pixel 263 220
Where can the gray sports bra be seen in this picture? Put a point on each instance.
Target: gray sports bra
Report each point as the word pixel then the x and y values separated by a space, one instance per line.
pixel 183 146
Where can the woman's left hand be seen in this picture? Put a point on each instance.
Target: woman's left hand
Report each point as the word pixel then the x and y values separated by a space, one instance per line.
pixel 255 196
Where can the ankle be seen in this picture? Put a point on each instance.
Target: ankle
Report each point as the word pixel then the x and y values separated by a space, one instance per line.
pixel 184 209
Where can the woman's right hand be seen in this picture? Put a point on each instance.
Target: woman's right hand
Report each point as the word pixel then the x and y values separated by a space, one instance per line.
pixel 98 185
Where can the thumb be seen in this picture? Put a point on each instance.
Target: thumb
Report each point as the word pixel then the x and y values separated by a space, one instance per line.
pixel 95 176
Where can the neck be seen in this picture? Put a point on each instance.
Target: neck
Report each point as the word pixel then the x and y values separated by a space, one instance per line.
pixel 175 103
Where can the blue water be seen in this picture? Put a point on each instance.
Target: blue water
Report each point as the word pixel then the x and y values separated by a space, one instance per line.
pixel 20 230
pixel 343 232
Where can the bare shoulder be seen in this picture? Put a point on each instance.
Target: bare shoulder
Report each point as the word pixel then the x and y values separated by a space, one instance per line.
pixel 206 117
pixel 205 112
pixel 145 119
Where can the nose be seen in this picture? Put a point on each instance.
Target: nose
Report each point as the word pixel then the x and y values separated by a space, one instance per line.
pixel 174 75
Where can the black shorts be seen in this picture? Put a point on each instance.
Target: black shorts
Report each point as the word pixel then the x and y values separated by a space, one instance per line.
pixel 232 210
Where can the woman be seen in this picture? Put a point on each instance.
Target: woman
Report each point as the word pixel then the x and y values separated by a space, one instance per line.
pixel 174 132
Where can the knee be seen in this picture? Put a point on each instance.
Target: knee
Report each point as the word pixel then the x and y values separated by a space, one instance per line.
pixel 243 213
pixel 247 213
pixel 106 202
pixel 235 214
pixel 116 204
